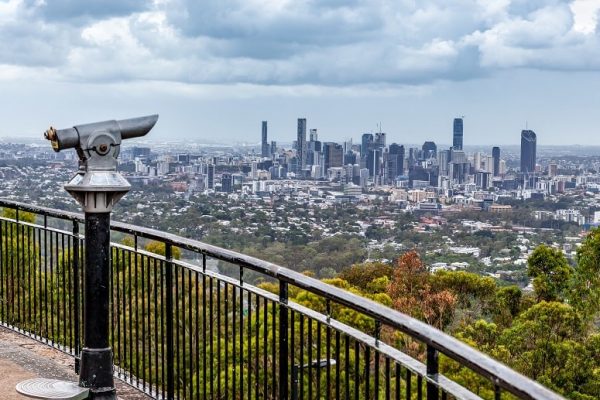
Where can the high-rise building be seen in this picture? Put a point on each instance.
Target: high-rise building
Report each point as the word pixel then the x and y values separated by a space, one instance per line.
pixel 374 162
pixel 265 148
pixel 380 139
pixel 396 156
pixel 457 137
pixel 226 183
pixel 334 155
pixel 528 151
pixel 301 143
pixel 429 150
pixel 210 175
pixel 366 145
pixel 496 157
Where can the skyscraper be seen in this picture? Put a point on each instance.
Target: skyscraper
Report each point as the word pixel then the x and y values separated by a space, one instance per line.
pixel 334 155
pixel 301 143
pixel 496 157
pixel 457 137
pixel 265 148
pixel 366 144
pixel 396 157
pixel 429 150
pixel 528 151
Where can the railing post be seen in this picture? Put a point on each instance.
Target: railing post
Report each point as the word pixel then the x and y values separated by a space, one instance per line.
pixel 283 341
pixel 432 371
pixel 169 291
pixel 76 305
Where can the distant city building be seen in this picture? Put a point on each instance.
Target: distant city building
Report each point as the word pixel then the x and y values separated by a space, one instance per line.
pixel 374 162
pixel 395 161
pixel 140 152
pixel 380 140
pixel 366 145
pixel 496 160
pixel 457 136
pixel 226 183
pixel 334 155
pixel 429 150
pixel 265 149
pixel 301 143
pixel 528 151
pixel 210 176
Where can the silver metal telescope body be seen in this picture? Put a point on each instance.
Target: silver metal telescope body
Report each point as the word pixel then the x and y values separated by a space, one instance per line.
pixel 98 186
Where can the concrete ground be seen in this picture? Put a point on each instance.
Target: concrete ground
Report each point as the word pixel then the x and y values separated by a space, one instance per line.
pixel 23 358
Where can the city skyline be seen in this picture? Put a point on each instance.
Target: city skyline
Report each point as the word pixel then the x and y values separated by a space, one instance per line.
pixel 346 66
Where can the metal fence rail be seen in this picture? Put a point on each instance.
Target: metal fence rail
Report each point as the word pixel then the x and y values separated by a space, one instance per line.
pixel 182 330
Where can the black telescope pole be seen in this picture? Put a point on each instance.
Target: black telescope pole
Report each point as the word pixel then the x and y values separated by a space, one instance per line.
pixel 98 186
pixel 96 370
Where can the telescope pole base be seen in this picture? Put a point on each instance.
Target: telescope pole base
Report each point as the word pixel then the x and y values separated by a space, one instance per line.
pixel 96 373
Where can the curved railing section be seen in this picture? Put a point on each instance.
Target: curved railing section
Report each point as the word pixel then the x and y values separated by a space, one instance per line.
pixel 187 323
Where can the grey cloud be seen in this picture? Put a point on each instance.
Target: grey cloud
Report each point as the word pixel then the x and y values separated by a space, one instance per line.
pixel 85 10
pixel 332 43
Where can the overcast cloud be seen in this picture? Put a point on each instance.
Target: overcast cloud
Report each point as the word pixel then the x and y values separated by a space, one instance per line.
pixel 294 45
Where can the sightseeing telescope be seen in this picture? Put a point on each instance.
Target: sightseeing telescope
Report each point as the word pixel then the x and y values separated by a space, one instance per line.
pixel 97 186
pixel 86 137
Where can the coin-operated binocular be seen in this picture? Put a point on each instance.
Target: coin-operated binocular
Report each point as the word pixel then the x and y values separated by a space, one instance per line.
pixel 98 186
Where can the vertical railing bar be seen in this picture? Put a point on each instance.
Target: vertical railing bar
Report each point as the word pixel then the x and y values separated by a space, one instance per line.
pixel 265 347
pixel 234 309
pixel 226 338
pixel 204 333
pixel 257 343
pixel 130 314
pixel 76 310
pixel 190 330
pixel 169 310
pixel 211 335
pixel 137 317
pixel 180 325
pixel 197 333
pixel 310 357
pixel 241 332
pixel 283 340
pixel 432 372
pixel 145 315
pixel 249 337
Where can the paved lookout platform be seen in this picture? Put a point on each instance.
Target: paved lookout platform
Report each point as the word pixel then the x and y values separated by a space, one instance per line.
pixel 22 358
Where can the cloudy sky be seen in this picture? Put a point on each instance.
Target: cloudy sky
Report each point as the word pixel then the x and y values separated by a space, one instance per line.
pixel 213 69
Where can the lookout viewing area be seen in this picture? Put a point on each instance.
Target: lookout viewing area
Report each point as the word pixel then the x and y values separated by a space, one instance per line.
pixel 179 330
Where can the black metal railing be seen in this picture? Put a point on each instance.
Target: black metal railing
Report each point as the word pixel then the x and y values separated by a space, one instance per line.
pixel 186 330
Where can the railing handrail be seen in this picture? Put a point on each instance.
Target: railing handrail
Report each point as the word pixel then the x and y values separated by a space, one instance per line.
pixel 498 373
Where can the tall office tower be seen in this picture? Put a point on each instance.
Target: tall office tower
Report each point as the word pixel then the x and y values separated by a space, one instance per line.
pixel 210 174
pixel 313 135
pixel 366 145
pixel 477 161
pixel 457 137
pixel 528 151
pixel 397 153
pixel 265 149
pixel 496 157
pixel 334 155
pixel 374 162
pixel 226 183
pixel 273 148
pixel 429 150
pixel 443 161
pixel 380 139
pixel 301 143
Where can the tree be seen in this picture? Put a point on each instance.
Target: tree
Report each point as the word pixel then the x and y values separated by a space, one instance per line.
pixel 551 273
pixel 585 288
pixel 412 293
